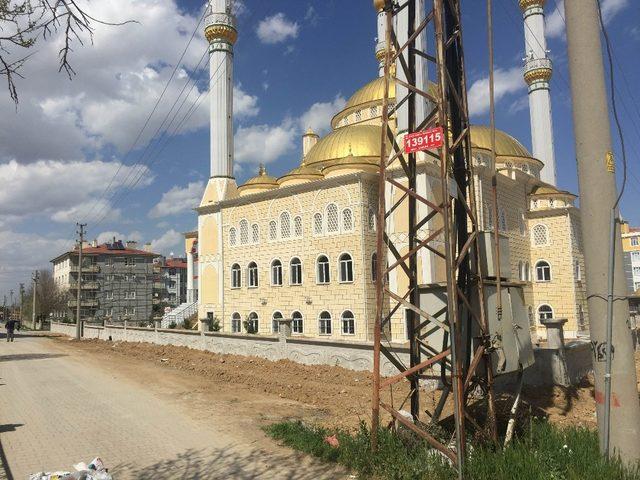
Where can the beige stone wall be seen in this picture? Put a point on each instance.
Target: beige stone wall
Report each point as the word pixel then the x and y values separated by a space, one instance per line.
pixel 310 298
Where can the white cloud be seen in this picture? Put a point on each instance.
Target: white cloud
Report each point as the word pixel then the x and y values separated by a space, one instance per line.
pixel 119 77
pixel 178 200
pixel 506 82
pixel 319 115
pixel 63 190
pixel 264 143
pixel 244 105
pixel 107 237
pixel 169 242
pixel 277 28
pixel 555 24
pixel 312 15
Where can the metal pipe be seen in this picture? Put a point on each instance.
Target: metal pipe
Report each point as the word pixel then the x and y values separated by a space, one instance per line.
pixel 609 337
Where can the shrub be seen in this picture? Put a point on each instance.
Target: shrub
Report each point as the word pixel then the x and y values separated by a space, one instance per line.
pixel 173 324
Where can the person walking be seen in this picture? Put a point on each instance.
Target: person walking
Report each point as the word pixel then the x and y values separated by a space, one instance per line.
pixel 11 326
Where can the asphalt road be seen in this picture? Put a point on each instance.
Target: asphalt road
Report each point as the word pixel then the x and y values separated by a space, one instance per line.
pixel 58 408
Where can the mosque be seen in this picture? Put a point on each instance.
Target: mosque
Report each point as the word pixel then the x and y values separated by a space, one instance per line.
pixel 302 246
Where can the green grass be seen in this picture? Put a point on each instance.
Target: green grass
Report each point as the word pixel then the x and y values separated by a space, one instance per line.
pixel 544 453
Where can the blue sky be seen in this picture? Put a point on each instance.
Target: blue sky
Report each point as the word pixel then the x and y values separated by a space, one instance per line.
pixel 296 62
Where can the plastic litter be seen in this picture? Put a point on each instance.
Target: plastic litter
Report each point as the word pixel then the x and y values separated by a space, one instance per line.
pixel 95 470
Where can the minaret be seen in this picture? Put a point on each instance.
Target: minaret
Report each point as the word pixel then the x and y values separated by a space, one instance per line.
pixel 381 44
pixel 537 74
pixel 220 31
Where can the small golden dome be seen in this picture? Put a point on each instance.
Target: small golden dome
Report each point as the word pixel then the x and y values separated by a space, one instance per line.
pixel 310 133
pixel 370 95
pixel 259 183
pixel 355 140
pixel 378 5
pixel 506 145
pixel 303 174
pixel 546 189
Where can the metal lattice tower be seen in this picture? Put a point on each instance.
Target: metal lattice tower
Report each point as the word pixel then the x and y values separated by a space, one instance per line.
pixel 463 356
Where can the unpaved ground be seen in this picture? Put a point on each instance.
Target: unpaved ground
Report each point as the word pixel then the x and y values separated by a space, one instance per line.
pixel 331 396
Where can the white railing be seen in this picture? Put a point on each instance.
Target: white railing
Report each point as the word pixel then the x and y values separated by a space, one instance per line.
pixel 179 314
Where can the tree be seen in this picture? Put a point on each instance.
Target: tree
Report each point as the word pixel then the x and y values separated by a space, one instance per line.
pixel 49 297
pixel 22 22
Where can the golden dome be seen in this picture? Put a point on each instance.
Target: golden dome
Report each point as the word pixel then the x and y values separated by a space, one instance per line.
pixel 355 140
pixel 506 145
pixel 302 174
pixel 372 94
pixel 259 183
pixel 545 189
pixel 378 5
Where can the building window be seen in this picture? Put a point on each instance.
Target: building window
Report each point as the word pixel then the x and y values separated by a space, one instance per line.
pixel 372 219
pixel 324 323
pixel 285 225
pixel 636 271
pixel 255 233
pixel 129 310
pixel 332 218
pixel 236 324
pixel 502 217
pixel 236 276
pixel 276 273
pixel 521 271
pixel 323 269
pixel 634 241
pixel 253 275
pixel 109 295
pixel 374 266
pixel 578 271
pixel 232 237
pixel 358 115
pixel 244 232
pixel 348 323
pixel 297 225
pixel 275 324
pixel 527 271
pixel 522 225
pixel 373 112
pixel 635 256
pixel 130 261
pixel 296 271
pixel 252 323
pixel 543 271
pixel 297 325
pixel 346 268
pixel 540 235
pixel 317 224
pixel 545 312
pixel 347 220
pixel 273 230
pixel 636 286
pixel 130 295
pixel 488 216
pixel 535 204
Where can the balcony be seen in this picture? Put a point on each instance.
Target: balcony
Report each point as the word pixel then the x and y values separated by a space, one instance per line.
pixel 158 286
pixel 86 285
pixel 86 268
pixel 85 302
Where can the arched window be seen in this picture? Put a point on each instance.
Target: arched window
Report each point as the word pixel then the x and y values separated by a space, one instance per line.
pixel 317 224
pixel 297 325
pixel 373 112
pixel 255 233
pixel 297 226
pixel 275 324
pixel 252 323
pixel 502 217
pixel 244 232
pixel 236 276
pixel 374 266
pixel 348 323
pixel 285 225
pixel 324 323
pixel 252 274
pixel 522 223
pixel 527 271
pixel 332 218
pixel 577 270
pixel 276 272
pixel 521 270
pixel 232 237
pixel 236 323
pixel 545 312
pixel 358 115
pixel 488 209
pixel 323 270
pixel 372 219
pixel 295 275
pixel 273 230
pixel 543 271
pixel 540 235
pixel 347 220
pixel 346 268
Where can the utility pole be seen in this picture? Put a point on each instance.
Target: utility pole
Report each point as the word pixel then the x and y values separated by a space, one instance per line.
pixel 79 285
pixel 21 300
pixel 35 278
pixel 616 395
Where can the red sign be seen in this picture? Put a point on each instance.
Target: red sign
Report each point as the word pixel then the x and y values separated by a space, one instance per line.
pixel 426 140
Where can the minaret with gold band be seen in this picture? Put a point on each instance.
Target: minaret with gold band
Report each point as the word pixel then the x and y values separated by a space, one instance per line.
pixel 537 74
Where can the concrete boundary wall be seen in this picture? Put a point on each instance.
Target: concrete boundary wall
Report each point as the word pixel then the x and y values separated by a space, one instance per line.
pixel 551 366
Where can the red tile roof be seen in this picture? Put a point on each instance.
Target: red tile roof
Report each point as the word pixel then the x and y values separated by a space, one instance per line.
pixel 104 249
pixel 175 263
